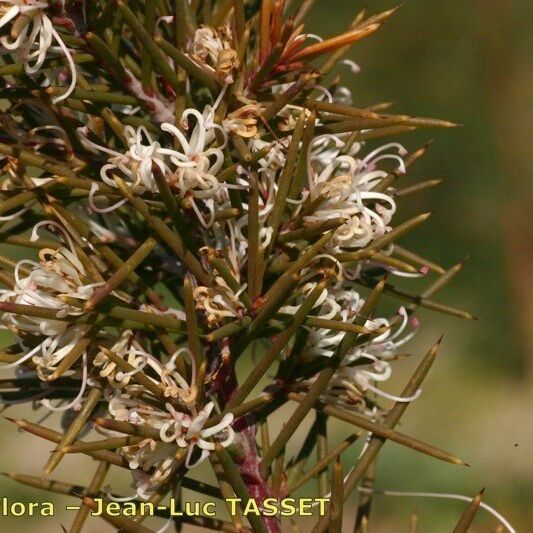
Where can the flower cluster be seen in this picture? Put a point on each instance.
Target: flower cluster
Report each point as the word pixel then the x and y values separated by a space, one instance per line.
pixel 347 185
pixel 58 282
pixel 189 170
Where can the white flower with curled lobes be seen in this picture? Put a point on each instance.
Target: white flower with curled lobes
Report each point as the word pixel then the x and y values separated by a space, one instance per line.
pixel 369 363
pixel 129 348
pixel 175 427
pixel 266 175
pixel 289 115
pixel 238 243
pixel 152 461
pixel 134 166
pixel 347 184
pixel 31 36
pixel 58 276
pixel 365 364
pixel 274 159
pixel 197 161
pixel 326 305
pixel 190 169
pixel 324 149
pixel 189 432
pixel 146 484
pixel 333 304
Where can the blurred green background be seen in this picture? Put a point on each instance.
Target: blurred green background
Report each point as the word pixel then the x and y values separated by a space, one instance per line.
pixel 469 62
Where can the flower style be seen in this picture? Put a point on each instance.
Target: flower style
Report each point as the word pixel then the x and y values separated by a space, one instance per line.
pixel 325 149
pixel 325 303
pixel 31 36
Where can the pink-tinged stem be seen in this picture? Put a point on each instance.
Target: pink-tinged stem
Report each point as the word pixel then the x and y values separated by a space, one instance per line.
pixel 248 466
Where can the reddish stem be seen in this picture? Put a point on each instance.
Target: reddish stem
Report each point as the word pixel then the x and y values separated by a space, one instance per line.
pixel 248 466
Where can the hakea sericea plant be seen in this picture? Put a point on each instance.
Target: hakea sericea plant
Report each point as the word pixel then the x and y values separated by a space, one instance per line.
pixel 196 195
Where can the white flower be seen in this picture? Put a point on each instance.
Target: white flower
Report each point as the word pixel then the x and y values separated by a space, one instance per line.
pixel 347 184
pixel 58 275
pixel 289 115
pixel 366 363
pixel 146 484
pixel 189 432
pixel 238 243
pixel 230 235
pixel 132 351
pixel 151 463
pixel 206 44
pixel 324 149
pixel 198 160
pixel 134 166
pixel 267 173
pixel 327 305
pixel 31 36
pixel 274 160
pixel 176 429
pixel 189 169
